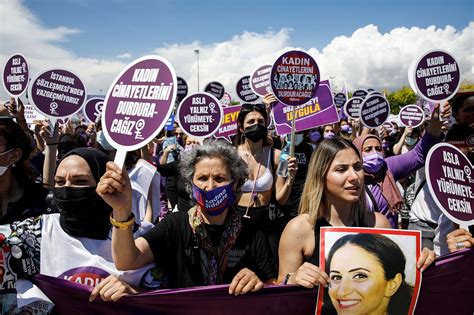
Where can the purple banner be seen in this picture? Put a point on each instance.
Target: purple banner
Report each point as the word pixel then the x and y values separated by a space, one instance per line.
pixel 228 126
pixel 139 102
pixel 182 89
pixel 16 75
pixel 93 109
pixel 352 107
pixel 317 112
pixel 411 116
pixel 200 115
pixel 57 93
pixel 295 78
pixel 260 80
pixel 451 183
pixel 360 93
pixel 340 99
pixel 215 88
pixel 437 76
pixel 244 92
pixel 374 110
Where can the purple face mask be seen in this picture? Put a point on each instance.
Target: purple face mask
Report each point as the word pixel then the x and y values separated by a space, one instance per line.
pixel 329 135
pixel 215 201
pixel 314 136
pixel 346 129
pixel 373 162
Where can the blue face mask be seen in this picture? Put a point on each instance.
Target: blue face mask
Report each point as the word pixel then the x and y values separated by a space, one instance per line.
pixel 215 201
pixel 103 141
pixel 373 162
pixel 314 136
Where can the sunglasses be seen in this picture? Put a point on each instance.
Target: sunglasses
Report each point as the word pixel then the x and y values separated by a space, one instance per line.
pixel 179 134
pixel 259 106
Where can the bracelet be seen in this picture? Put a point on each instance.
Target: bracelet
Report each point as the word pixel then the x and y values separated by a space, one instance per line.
pixel 287 277
pixel 122 225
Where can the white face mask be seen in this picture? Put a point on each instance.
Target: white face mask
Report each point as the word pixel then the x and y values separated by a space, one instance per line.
pixel 3 168
pixel 298 139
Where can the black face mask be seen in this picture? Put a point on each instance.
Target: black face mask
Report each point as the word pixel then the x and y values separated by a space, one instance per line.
pixel 256 132
pixel 82 212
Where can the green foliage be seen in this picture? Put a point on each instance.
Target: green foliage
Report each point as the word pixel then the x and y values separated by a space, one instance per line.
pixel 466 86
pixel 400 98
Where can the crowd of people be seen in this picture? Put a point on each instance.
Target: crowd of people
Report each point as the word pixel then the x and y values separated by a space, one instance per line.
pixel 183 212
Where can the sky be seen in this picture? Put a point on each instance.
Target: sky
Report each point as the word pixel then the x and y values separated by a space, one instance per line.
pixel 363 44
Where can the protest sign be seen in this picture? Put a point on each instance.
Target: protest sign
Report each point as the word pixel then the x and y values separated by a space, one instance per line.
pixel 317 112
pixel 436 76
pixel 345 251
pixel 352 106
pixel 360 93
pixel 57 93
pixel 260 80
pixel 374 110
pixel 244 92
pixel 138 104
pixel 32 115
pixel 340 99
pixel 16 75
pixel 93 109
pixel 182 89
pixel 411 116
pixel 228 125
pixel 200 115
pixel 295 78
pixel 215 88
pixel 226 99
pixel 451 183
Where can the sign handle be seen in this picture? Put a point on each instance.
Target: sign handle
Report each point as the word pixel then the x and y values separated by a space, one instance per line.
pixel 120 157
pixel 293 131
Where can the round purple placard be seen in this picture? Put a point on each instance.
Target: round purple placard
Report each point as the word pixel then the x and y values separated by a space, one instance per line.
pixel 374 110
pixel 295 78
pixel 352 106
pixel 200 115
pixel 437 76
pixel 360 93
pixel 340 99
pixel 411 116
pixel 451 182
pixel 93 109
pixel 16 75
pixel 57 93
pixel 182 90
pixel 139 102
pixel 260 80
pixel 215 88
pixel 244 92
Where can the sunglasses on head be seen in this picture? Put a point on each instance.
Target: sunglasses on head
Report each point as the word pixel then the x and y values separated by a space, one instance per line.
pixel 259 106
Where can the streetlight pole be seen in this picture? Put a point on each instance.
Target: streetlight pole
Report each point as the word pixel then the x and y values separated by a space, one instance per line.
pixel 196 51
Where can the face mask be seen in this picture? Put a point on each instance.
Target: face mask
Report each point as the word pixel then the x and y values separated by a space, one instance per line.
pixel 346 129
pixel 3 168
pixel 256 132
pixel 103 142
pixel 410 141
pixel 189 147
pixel 393 133
pixel 329 135
pixel 215 201
pixel 82 212
pixel 373 162
pixel 298 139
pixel 180 141
pixel 314 136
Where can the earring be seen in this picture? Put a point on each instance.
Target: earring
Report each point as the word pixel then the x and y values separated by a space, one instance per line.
pixel 13 165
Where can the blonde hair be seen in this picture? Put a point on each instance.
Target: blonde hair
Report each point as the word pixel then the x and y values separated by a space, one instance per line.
pixel 313 201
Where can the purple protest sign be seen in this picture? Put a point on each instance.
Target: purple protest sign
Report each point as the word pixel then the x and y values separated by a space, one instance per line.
pixel 200 115
pixel 228 126
pixel 352 106
pixel 340 99
pixel 260 80
pixel 16 75
pixel 360 93
pixel 317 112
pixel 138 103
pixel 411 116
pixel 244 92
pixel 374 111
pixel 451 183
pixel 93 109
pixel 226 99
pixel 182 89
pixel 436 76
pixel 295 78
pixel 215 88
pixel 57 93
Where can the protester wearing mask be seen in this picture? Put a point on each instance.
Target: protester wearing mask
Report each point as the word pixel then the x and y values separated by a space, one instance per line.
pixel 208 245
pixel 72 242
pixel 314 137
pixel 407 141
pixel 345 130
pixel 328 132
pixel 174 138
pixel 264 189
pixel 382 173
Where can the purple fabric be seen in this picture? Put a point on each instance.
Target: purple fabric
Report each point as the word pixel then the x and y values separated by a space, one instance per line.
pixel 401 166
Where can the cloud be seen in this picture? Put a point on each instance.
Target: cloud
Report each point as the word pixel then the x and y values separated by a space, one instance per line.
pixel 367 58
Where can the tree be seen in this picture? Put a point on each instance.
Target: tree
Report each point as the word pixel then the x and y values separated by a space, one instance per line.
pixel 400 98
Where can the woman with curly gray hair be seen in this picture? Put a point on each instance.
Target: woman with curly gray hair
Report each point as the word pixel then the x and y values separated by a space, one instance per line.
pixel 205 246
